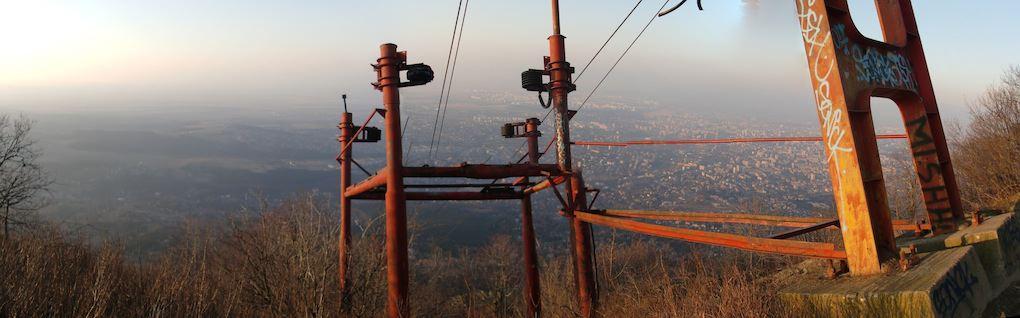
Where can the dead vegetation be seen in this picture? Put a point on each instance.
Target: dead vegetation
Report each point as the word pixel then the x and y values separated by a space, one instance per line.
pixel 986 148
pixel 282 262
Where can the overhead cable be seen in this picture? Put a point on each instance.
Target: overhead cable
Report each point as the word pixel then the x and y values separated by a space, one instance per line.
pixel 446 71
pixel 453 69
pixel 607 41
pixel 621 57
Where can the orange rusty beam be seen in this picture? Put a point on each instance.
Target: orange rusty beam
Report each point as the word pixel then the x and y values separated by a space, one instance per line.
pixel 481 171
pixel 447 196
pixel 378 180
pixel 545 184
pixel 715 141
pixel 710 217
pixel 741 218
pixel 754 244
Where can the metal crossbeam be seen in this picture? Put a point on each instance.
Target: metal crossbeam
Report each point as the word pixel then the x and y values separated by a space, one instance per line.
pixel 756 244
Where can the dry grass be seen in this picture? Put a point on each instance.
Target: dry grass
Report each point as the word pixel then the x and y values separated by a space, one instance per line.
pixel 282 262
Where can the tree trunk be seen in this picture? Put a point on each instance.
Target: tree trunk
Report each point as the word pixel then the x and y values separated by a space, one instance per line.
pixel 7 217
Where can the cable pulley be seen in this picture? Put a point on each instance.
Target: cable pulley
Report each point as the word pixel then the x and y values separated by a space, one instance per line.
pixel 418 74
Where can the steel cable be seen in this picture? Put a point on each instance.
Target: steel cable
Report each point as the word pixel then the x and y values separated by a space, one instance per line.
pixel 446 71
pixel 585 68
pixel 597 52
pixel 453 69
pixel 621 56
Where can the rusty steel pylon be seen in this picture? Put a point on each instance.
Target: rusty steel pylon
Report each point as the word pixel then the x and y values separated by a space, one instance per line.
pixel 388 68
pixel 388 184
pixel 846 69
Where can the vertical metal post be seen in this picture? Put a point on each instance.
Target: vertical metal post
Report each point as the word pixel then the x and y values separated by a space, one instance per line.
pixel 532 134
pixel 346 135
pixel 532 288
pixel 560 85
pixel 388 69
pixel 584 254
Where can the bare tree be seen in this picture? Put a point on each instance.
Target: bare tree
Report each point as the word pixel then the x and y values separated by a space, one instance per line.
pixel 986 150
pixel 22 180
pixel 904 192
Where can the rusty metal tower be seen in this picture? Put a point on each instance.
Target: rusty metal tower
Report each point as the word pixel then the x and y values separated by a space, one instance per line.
pixel 846 68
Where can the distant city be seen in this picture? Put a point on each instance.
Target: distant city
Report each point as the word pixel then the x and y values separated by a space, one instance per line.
pixel 139 176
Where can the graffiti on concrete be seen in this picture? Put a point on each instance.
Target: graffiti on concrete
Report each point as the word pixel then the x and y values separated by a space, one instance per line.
pixel 954 289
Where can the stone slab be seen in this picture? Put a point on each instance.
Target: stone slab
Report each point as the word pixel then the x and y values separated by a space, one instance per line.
pixel 969 269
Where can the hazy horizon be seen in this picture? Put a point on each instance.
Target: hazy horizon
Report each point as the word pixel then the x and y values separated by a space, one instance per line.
pixel 735 55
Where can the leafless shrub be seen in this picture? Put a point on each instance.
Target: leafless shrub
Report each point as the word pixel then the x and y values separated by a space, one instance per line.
pixel 904 194
pixel 187 282
pixel 645 279
pixel 986 150
pixel 281 261
pixel 43 273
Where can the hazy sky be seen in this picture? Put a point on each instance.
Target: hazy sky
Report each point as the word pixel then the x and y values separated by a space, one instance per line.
pixel 79 55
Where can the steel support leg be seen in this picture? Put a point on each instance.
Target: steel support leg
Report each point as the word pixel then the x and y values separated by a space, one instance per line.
pixel 583 251
pixel 847 69
pixel 345 205
pixel 396 210
pixel 532 287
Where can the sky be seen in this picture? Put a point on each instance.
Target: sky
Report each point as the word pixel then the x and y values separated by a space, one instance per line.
pixel 739 55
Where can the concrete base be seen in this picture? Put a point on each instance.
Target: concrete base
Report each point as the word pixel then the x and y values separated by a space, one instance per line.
pixel 958 276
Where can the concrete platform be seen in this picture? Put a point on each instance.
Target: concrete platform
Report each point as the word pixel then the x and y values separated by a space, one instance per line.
pixel 958 276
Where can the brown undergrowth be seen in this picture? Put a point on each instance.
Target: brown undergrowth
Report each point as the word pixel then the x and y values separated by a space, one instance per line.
pixel 282 262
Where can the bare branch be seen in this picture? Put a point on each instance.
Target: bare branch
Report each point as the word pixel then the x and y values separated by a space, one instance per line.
pixel 23 182
pixel 986 149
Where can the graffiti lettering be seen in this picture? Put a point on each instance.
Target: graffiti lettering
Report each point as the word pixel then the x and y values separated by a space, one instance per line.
pixel 815 40
pixel 871 66
pixel 934 192
pixel 929 172
pixel 953 290
pixel 919 137
pixel 1009 240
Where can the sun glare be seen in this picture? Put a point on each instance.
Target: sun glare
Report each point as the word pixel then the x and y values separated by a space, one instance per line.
pixel 40 41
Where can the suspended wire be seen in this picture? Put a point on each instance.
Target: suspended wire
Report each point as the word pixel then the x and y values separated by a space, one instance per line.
pixel 585 68
pixel 410 142
pixel 446 70
pixel 621 56
pixel 453 68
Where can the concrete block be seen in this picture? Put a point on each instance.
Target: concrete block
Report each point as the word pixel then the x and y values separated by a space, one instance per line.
pixel 961 274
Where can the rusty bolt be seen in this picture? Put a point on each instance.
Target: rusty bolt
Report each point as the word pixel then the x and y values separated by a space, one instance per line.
pixel 835 269
pixel 908 258
pixel 904 261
